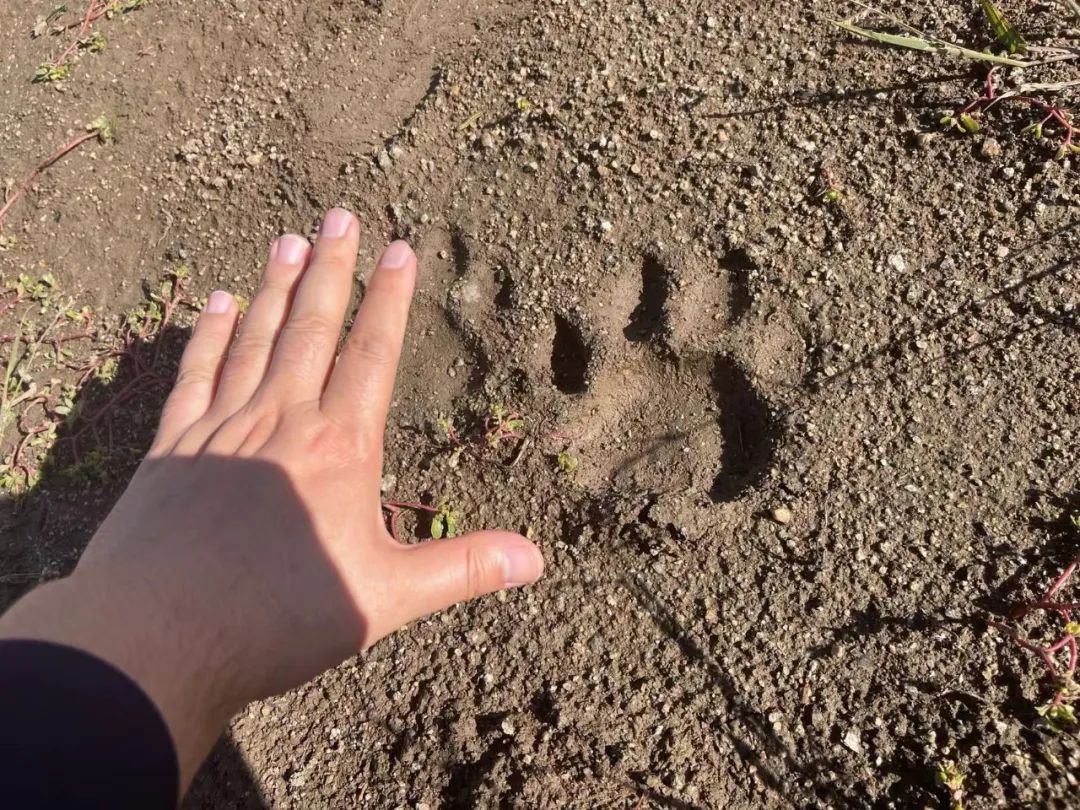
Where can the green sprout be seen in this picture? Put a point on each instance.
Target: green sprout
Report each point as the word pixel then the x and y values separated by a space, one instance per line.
pixel 67 407
pixel 39 289
pixel 149 317
pixel 568 463
pixel 123 7
pixel 500 424
pixel 107 371
pixel 93 468
pixel 832 196
pixel 95 43
pixel 103 126
pixel 447 430
pixel 444 523
pixel 1059 716
pixel 964 122
pixel 51 72
pixel 952 779
pixel 1004 30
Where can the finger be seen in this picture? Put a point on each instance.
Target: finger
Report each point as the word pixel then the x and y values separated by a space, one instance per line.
pixel 250 354
pixel 442 573
pixel 362 383
pixel 200 366
pixel 308 342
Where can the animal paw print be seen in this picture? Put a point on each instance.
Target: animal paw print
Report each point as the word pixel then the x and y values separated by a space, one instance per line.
pixel 659 402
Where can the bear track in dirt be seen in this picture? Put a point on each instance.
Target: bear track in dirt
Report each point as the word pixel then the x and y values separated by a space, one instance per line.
pixel 666 407
pixel 647 381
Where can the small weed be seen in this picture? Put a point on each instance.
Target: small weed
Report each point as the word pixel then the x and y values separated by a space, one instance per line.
pixel 84 38
pixel 830 191
pixel 95 43
pixel 568 463
pixel 1059 713
pixel 445 522
pixel 952 779
pixel 966 120
pixel 501 424
pixel 1006 34
pixel 39 410
pixel 447 431
pixel 92 469
pixel 51 72
pixel 484 427
pixel 100 129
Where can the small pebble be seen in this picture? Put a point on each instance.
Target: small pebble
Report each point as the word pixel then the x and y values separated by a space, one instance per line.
pixel 781 515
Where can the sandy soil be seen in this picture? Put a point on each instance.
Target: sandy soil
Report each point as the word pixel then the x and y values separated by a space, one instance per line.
pixel 618 207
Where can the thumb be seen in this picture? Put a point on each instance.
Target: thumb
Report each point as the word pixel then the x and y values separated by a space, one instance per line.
pixel 433 576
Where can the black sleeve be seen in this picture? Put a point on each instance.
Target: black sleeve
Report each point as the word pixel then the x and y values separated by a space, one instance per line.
pixel 77 732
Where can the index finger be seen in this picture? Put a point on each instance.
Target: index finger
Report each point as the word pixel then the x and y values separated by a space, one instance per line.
pixel 362 383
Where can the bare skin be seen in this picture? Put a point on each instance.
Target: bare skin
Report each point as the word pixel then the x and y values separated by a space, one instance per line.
pixel 249 554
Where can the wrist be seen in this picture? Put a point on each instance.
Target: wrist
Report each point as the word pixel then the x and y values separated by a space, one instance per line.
pixel 122 622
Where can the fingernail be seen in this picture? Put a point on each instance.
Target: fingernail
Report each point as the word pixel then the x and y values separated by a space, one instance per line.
pixel 524 565
pixel 290 249
pixel 218 303
pixel 336 224
pixel 396 256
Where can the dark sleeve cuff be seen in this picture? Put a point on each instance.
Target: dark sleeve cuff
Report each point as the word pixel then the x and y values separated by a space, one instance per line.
pixel 77 732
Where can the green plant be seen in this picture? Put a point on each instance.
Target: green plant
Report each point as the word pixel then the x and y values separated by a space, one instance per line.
pixel 568 463
pixel 501 424
pixel 1006 34
pixel 831 192
pixel 445 521
pixel 51 72
pixel 84 38
pixel 1059 713
pixel 966 119
pixel 92 468
pixel 95 43
pixel 952 779
pixel 156 310
pixel 917 41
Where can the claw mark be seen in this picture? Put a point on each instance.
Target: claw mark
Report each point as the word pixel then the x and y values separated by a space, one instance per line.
pixel 647 320
pixel 749 432
pixel 569 358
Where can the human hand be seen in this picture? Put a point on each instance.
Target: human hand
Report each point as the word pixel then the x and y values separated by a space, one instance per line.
pixel 250 552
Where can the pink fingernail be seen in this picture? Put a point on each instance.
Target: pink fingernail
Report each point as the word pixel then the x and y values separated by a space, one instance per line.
pixel 218 303
pixel 396 256
pixel 336 224
pixel 290 249
pixel 524 565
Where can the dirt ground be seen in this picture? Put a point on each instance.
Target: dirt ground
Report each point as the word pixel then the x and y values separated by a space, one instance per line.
pixel 619 212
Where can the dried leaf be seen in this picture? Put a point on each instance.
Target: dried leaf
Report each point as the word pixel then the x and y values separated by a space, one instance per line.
pixel 928 45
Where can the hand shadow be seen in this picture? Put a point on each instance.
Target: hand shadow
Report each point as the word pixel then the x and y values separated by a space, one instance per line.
pixel 44 532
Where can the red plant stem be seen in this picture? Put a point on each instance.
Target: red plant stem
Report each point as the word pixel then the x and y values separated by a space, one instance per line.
pixel 1058 114
pixel 1057 607
pixel 95 10
pixel 26 182
pixel 987 97
pixel 395 508
pixel 56 341
pixel 15 463
pixel 141 383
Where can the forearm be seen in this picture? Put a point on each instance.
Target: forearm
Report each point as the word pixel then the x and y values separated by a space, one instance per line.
pixel 123 623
